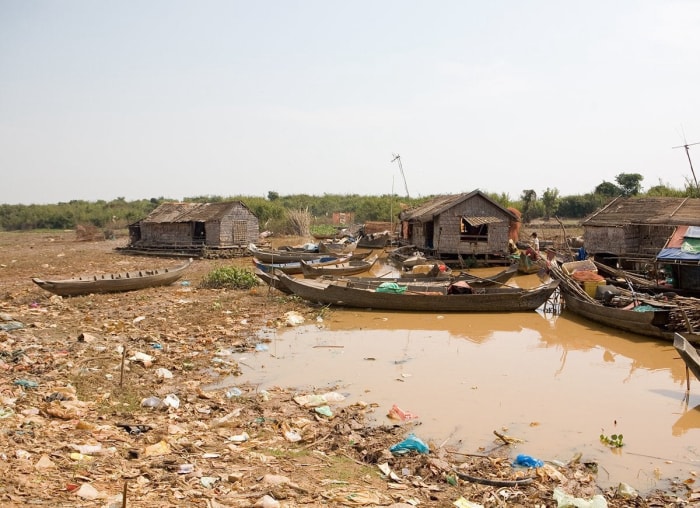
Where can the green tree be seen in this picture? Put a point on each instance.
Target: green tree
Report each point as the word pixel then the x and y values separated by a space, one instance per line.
pixel 608 189
pixel 528 197
pixel 550 201
pixel 630 183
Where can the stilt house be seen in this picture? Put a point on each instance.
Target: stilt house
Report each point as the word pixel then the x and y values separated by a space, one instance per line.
pixel 469 224
pixel 648 234
pixel 224 228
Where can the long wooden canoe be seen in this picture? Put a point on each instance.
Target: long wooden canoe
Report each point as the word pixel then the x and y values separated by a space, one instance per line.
pixel 282 256
pixel 688 353
pixel 500 299
pixel 339 268
pixel 113 282
pixel 294 267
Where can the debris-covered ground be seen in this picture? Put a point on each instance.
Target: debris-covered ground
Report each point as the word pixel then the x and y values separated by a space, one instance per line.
pixel 104 403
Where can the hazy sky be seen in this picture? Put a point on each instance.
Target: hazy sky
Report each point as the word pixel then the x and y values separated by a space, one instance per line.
pixel 141 99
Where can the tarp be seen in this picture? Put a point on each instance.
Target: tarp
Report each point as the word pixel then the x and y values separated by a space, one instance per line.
pixel 684 245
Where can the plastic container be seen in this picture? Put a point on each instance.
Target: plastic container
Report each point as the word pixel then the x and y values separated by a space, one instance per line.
pixel 573 266
pixel 591 286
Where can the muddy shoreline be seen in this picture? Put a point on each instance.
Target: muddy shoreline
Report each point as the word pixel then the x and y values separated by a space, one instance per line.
pixel 75 432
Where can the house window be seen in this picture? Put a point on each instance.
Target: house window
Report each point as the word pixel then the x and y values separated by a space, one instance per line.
pixel 474 229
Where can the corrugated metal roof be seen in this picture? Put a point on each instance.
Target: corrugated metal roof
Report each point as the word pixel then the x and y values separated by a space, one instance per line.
pixel 191 212
pixel 479 221
pixel 647 211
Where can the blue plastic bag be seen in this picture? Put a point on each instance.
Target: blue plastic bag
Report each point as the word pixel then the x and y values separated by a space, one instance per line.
pixel 527 461
pixel 411 443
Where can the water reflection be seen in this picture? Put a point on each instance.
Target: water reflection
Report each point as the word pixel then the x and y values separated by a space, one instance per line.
pixel 552 380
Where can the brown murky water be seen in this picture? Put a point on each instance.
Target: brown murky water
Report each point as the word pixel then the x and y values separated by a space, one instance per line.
pixel 555 381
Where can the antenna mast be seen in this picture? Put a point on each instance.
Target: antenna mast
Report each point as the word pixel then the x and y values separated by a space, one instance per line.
pixel 397 157
pixel 687 153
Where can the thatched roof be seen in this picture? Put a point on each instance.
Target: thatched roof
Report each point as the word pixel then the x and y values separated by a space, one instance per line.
pixel 647 211
pixel 431 209
pixel 192 212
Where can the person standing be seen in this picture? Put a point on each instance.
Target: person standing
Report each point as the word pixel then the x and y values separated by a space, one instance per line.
pixel 535 243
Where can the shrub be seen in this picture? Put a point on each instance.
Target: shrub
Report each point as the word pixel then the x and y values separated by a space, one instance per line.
pixel 230 277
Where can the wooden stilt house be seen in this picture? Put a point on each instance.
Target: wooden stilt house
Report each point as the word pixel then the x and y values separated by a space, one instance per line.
pixel 648 235
pixel 196 229
pixel 458 225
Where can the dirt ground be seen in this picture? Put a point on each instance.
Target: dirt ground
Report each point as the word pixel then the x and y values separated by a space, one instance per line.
pixel 76 373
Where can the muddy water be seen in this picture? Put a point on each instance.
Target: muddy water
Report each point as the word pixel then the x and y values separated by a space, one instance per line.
pixel 555 381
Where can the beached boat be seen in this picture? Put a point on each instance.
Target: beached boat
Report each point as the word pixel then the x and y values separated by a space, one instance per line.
pixel 271 280
pixel 394 296
pixel 282 255
pixel 688 353
pixel 113 282
pixel 295 267
pixel 341 267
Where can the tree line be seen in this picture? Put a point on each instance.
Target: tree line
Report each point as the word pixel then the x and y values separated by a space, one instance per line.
pixel 272 210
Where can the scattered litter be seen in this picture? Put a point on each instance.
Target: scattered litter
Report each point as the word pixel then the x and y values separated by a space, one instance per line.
pixel 293 318
pixel 233 392
pixel 396 413
pixel 171 400
pixel 163 373
pixel 26 383
pixel 464 503
pixel 523 460
pixel 411 443
pixel 261 347
pixel 324 411
pixel 146 360
pixel 565 500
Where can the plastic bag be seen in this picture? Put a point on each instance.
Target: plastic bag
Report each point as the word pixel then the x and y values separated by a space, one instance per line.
pixel 411 443
pixel 527 461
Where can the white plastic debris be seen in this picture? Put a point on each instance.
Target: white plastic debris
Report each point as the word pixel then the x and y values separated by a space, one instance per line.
pixel 565 500
pixel 293 318
pixel 163 373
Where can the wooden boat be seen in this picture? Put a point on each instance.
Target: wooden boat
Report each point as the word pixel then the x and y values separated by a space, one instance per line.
pixel 437 270
pixel 407 255
pixel 294 267
pixel 526 265
pixel 438 299
pixel 625 279
pixel 271 280
pixel 633 313
pixel 339 248
pixel 113 282
pixel 498 279
pixel 688 353
pixel 341 267
pixel 282 255
pixel 375 240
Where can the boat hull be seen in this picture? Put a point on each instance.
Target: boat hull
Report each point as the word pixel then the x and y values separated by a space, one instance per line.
pixel 504 299
pixel 113 283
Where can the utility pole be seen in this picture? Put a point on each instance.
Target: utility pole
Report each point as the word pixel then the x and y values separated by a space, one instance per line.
pixel 397 157
pixel 687 152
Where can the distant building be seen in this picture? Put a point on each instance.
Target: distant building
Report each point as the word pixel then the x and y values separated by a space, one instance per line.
pixel 199 229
